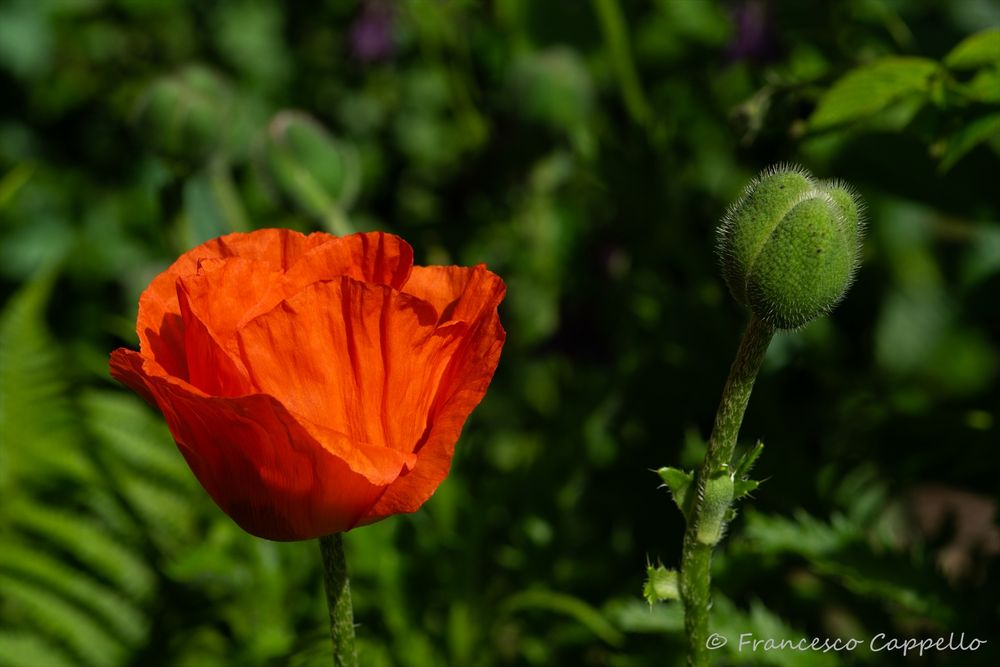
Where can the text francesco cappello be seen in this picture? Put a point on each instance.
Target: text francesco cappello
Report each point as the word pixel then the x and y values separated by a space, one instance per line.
pixel 747 642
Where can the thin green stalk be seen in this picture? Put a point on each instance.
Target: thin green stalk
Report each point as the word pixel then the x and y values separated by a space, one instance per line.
pixel 616 39
pixel 338 597
pixel 228 196
pixel 696 559
pixel 336 221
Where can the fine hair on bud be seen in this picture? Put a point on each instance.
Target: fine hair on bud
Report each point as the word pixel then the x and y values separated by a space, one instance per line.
pixel 791 244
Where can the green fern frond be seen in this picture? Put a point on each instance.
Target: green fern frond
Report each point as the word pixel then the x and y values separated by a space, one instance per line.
pixel 37 420
pixel 28 649
pixel 121 617
pixel 39 607
pixel 135 437
pixel 87 542
pixel 144 466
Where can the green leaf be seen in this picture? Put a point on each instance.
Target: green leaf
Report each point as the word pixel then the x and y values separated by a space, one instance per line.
pixel 961 142
pixel 984 86
pixel 571 606
pixel 319 173
pixel 977 50
pixel 872 88
pixel 679 483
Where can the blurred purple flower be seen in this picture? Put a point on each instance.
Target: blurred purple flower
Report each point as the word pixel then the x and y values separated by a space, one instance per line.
pixel 753 32
pixel 372 37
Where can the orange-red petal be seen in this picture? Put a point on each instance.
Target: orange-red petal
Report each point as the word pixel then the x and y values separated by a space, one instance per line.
pixel 375 352
pixel 256 460
pixel 315 383
pixel 458 293
pixel 474 293
pixel 159 323
pixel 371 257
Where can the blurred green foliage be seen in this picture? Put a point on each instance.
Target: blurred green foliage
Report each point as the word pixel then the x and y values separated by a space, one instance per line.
pixel 584 151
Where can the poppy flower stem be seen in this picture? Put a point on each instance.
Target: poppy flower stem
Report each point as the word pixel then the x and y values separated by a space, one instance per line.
pixel 710 509
pixel 338 597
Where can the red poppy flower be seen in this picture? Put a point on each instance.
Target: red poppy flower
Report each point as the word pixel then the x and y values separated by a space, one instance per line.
pixel 314 383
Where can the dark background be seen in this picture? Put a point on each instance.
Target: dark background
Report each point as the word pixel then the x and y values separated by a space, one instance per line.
pixel 584 150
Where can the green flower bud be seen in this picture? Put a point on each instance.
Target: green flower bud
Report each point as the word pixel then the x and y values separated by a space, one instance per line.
pixel 790 245
pixel 315 170
pixel 185 116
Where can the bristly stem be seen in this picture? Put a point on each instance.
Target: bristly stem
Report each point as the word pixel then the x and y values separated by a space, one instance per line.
pixel 338 597
pixel 696 559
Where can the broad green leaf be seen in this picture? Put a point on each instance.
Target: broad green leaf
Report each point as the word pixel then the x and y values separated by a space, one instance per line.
pixel 981 48
pixel 961 142
pixel 871 88
pixel 984 86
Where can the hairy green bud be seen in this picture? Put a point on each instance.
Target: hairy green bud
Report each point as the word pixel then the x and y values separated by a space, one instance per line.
pixel 715 507
pixel 790 245
pixel 185 116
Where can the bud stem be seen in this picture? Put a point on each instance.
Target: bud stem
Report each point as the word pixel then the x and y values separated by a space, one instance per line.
pixel 338 597
pixel 696 558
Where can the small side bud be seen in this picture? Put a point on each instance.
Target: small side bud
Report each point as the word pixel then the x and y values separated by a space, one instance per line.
pixel 790 245
pixel 715 507
pixel 661 585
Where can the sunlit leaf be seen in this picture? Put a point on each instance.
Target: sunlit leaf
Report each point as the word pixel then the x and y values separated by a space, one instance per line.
pixel 871 88
pixel 982 48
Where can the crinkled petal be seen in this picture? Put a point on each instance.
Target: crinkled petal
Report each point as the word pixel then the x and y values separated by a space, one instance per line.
pixel 159 324
pixel 461 389
pixel 212 303
pixel 373 257
pixel 255 459
pixel 375 352
pixel 458 293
